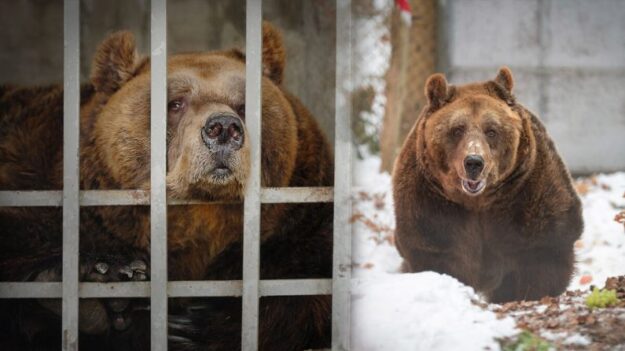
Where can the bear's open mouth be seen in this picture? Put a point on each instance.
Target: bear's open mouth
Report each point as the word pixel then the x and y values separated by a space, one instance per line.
pixel 473 187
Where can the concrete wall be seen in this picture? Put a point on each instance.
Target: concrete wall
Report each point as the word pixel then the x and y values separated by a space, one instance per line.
pixel 568 58
pixel 31 39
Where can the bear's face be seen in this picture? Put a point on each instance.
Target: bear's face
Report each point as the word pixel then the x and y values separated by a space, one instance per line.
pixel 470 135
pixel 208 152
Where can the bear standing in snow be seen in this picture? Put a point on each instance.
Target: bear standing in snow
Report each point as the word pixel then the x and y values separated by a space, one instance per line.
pixel 207 159
pixel 481 194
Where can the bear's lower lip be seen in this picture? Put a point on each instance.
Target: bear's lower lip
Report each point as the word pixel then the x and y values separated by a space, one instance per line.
pixel 473 187
pixel 221 171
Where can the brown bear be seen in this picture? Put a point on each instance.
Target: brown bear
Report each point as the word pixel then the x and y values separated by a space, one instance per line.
pixel 208 157
pixel 481 194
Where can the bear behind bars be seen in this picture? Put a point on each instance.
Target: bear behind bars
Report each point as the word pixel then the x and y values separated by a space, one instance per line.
pixel 207 159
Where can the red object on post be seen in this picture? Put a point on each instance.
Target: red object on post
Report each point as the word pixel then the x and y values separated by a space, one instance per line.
pixel 405 10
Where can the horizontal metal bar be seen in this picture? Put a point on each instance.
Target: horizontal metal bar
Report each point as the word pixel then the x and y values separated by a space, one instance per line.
pixel 205 288
pixel 114 197
pixel 295 287
pixel 117 289
pixel 30 290
pixel 25 198
pixel 297 195
pixel 278 287
pixel 54 198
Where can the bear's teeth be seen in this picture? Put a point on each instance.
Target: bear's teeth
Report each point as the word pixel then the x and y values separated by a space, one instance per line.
pixel 473 187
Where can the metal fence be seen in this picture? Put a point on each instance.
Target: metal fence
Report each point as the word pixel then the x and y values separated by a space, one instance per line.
pixel 159 289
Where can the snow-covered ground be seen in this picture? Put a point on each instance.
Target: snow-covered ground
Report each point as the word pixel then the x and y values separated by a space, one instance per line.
pixel 430 311
pixel 601 249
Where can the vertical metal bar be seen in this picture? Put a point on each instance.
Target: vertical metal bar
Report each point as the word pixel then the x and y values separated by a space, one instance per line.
pixel 158 193
pixel 71 159
pixel 342 182
pixel 251 207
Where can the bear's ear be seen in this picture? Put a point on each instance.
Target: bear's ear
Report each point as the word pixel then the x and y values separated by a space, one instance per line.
pixel 436 90
pixel 274 56
pixel 504 78
pixel 115 62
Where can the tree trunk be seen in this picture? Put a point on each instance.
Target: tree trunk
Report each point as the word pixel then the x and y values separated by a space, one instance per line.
pixel 413 59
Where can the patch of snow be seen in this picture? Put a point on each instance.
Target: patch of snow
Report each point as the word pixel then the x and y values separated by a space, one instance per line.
pixel 551 336
pixel 423 311
pixel 601 250
pixel 372 251
pixel 371 59
pixel 577 339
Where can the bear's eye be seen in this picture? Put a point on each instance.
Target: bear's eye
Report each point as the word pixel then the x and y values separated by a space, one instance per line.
pixel 175 105
pixel 491 133
pixel 457 132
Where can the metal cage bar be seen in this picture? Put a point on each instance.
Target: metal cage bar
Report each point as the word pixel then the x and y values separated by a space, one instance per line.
pixel 251 207
pixel 71 172
pixel 158 173
pixel 341 275
pixel 278 287
pixel 54 198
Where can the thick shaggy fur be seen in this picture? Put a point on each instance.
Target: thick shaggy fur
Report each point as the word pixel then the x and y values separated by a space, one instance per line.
pixel 513 241
pixel 204 240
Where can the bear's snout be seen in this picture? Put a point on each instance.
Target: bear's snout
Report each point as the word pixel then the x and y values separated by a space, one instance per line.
pixel 473 166
pixel 225 130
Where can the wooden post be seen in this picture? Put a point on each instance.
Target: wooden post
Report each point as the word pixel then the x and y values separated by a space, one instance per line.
pixel 413 59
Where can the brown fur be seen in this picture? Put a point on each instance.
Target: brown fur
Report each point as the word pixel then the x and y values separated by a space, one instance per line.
pixel 512 241
pixel 204 240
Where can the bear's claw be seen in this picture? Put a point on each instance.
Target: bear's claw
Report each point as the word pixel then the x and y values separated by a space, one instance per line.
pixel 120 309
pixel 101 267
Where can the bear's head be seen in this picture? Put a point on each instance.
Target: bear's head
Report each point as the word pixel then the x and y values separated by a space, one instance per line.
pixel 208 149
pixel 471 138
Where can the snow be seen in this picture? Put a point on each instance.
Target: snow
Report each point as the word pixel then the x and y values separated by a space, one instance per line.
pixel 393 311
pixel 601 249
pixel 424 311
pixel 371 58
pixel 577 339
pixel 373 250
pixel 574 339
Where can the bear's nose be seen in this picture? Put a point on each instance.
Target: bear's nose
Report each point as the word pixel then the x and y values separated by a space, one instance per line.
pixel 473 165
pixel 223 129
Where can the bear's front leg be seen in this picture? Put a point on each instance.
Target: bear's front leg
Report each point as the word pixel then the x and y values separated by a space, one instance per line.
pixel 458 264
pixel 541 272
